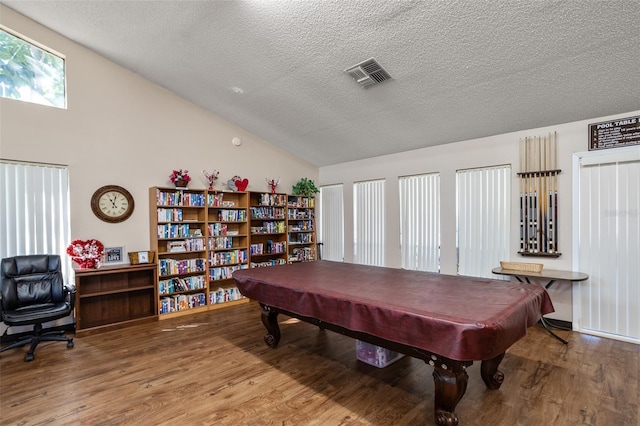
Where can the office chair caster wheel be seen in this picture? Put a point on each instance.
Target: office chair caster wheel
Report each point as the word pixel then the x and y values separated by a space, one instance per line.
pixel 28 358
pixel 69 344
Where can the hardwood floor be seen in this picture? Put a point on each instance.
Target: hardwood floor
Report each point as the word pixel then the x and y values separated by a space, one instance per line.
pixel 214 369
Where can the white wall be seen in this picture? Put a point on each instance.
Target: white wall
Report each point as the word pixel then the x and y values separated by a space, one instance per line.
pixel 446 159
pixel 120 129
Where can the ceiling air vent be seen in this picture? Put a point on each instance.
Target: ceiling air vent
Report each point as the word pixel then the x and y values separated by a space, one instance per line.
pixel 368 73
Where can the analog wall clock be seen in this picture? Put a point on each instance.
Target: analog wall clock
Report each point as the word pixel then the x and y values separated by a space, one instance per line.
pixel 112 203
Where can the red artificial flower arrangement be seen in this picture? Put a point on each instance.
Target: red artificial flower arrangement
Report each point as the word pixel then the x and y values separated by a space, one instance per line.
pixel 87 254
pixel 180 176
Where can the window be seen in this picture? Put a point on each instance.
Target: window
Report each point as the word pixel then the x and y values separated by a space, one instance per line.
pixel 420 222
pixel 368 223
pixel 34 218
pixel 30 73
pixel 483 200
pixel 331 224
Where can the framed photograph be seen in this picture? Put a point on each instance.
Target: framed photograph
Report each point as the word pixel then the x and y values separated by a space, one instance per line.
pixel 143 257
pixel 113 255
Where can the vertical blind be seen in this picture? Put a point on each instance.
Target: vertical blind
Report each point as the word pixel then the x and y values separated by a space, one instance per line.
pixel 34 217
pixel 331 223
pixel 608 245
pixel 483 200
pixel 420 222
pixel 368 221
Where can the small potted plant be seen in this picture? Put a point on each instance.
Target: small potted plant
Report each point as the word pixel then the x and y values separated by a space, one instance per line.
pixel 180 178
pixel 305 187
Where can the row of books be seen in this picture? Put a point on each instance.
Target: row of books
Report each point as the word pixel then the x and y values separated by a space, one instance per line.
pixel 277 227
pixel 267 213
pixel 227 257
pixel 268 247
pixel 232 215
pixel 302 225
pixel 190 244
pixel 299 214
pixel 181 302
pixel 305 202
pixel 215 200
pixel 217 229
pixel 173 230
pixel 222 295
pixel 182 266
pixel 216 243
pixel 169 215
pixel 175 285
pixel 301 238
pixel 224 272
pixel 179 198
pixel 302 255
pixel 272 199
pixel 266 263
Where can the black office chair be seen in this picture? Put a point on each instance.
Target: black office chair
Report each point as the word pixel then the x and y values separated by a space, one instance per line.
pixel 32 292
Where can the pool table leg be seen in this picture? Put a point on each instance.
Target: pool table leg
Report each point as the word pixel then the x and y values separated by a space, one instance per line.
pixel 270 321
pixel 489 372
pixel 450 385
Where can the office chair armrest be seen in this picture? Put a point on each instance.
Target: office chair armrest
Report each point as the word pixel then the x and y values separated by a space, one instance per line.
pixel 71 295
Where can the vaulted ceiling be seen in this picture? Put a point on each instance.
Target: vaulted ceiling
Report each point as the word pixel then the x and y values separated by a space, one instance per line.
pixel 461 69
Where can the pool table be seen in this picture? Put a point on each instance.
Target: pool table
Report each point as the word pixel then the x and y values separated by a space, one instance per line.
pixel 447 321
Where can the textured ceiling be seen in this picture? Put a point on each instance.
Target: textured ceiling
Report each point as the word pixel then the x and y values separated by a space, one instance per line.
pixel 462 69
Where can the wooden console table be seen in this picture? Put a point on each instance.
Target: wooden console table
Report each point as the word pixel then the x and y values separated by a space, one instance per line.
pixel 550 276
pixel 113 297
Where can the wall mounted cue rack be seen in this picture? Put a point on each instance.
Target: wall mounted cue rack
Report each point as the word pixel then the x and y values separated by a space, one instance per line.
pixel 539 196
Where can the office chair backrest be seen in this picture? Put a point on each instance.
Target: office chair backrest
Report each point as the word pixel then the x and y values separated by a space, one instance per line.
pixel 31 281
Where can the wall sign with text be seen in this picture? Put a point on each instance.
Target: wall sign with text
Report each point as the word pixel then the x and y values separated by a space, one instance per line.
pixel 614 133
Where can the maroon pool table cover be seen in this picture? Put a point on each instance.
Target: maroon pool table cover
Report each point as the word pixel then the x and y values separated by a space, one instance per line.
pixel 461 318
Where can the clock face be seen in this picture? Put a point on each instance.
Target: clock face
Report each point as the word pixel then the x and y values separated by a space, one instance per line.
pixel 112 203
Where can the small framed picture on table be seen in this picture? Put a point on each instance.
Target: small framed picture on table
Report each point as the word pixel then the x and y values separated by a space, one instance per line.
pixel 138 257
pixel 113 255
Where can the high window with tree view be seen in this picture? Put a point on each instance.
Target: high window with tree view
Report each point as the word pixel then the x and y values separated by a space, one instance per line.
pixel 30 73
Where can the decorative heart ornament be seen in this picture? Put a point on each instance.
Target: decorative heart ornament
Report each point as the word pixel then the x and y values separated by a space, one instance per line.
pixel 242 184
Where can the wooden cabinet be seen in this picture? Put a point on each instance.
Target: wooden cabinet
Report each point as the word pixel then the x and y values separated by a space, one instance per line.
pixel 200 237
pixel 268 229
pixel 114 297
pixel 301 229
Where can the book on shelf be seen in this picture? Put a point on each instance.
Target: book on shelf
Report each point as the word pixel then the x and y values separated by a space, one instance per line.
pixel 176 246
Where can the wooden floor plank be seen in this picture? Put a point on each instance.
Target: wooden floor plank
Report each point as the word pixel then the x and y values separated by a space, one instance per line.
pixel 214 368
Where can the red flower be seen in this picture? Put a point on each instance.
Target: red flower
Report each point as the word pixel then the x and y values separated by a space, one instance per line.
pixel 178 175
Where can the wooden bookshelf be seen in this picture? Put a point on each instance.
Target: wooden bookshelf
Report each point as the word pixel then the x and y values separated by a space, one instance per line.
pixel 202 236
pixel 301 229
pixel 113 297
pixel 227 243
pixel 188 230
pixel 267 229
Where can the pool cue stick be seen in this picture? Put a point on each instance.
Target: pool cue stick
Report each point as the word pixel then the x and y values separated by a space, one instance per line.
pixel 555 193
pixel 532 230
pixel 543 198
pixel 521 184
pixel 552 224
pixel 529 200
pixel 521 217
pixel 549 177
pixel 538 204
